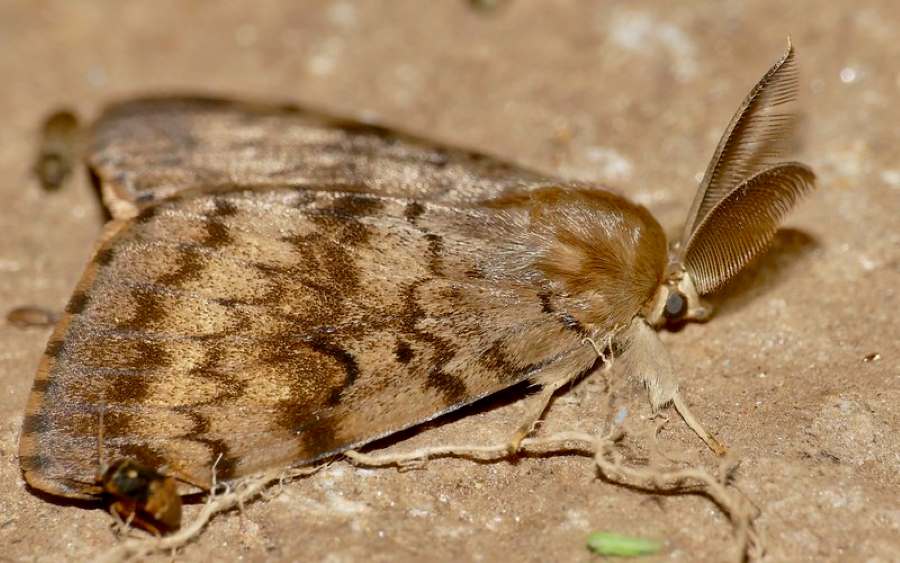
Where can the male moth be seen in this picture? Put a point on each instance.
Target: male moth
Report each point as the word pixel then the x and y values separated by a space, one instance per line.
pixel 277 286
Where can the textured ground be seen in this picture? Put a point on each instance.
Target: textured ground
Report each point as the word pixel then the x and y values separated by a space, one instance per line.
pixel 633 95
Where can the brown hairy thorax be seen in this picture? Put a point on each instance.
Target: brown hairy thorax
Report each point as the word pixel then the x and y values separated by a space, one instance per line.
pixel 347 281
pixel 595 246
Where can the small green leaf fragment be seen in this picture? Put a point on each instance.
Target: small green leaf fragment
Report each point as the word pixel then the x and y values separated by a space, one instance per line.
pixel 617 545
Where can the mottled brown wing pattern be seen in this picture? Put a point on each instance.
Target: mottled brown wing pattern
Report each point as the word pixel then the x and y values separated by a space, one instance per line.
pixel 144 150
pixel 282 325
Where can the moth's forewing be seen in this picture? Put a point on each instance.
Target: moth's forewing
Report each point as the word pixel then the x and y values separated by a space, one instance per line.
pixel 278 326
pixel 145 150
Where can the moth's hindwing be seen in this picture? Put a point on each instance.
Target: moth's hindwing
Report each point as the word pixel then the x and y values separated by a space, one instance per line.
pixel 144 150
pixel 279 326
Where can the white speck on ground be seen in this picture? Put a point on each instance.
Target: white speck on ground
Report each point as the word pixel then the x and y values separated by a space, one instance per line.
pixel 891 178
pixel 342 14
pixel 325 58
pixel 848 75
pixel 613 165
pixel 635 31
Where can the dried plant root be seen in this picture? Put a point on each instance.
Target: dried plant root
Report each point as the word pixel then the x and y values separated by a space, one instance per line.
pixel 602 448
pixel 613 468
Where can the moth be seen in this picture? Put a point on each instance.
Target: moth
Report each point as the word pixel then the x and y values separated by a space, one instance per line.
pixel 277 286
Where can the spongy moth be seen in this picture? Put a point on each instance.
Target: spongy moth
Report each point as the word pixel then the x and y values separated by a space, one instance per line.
pixel 277 286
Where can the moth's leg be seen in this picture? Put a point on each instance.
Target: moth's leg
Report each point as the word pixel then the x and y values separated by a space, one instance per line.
pixel 550 384
pixel 118 525
pixel 695 425
pixel 534 408
pixel 126 516
pixel 647 358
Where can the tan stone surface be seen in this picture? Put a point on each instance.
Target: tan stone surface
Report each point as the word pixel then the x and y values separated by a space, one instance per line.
pixel 631 94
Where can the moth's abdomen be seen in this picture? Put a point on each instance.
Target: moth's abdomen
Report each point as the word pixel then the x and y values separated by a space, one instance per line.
pixel 595 247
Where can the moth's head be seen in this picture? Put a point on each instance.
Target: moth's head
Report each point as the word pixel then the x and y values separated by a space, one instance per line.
pixel 676 300
pixel 743 196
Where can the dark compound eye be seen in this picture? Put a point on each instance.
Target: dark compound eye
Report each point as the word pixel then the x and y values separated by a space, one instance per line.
pixel 676 305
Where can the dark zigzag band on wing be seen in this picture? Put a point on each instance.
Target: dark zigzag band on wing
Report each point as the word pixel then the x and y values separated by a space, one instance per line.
pixel 142 336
